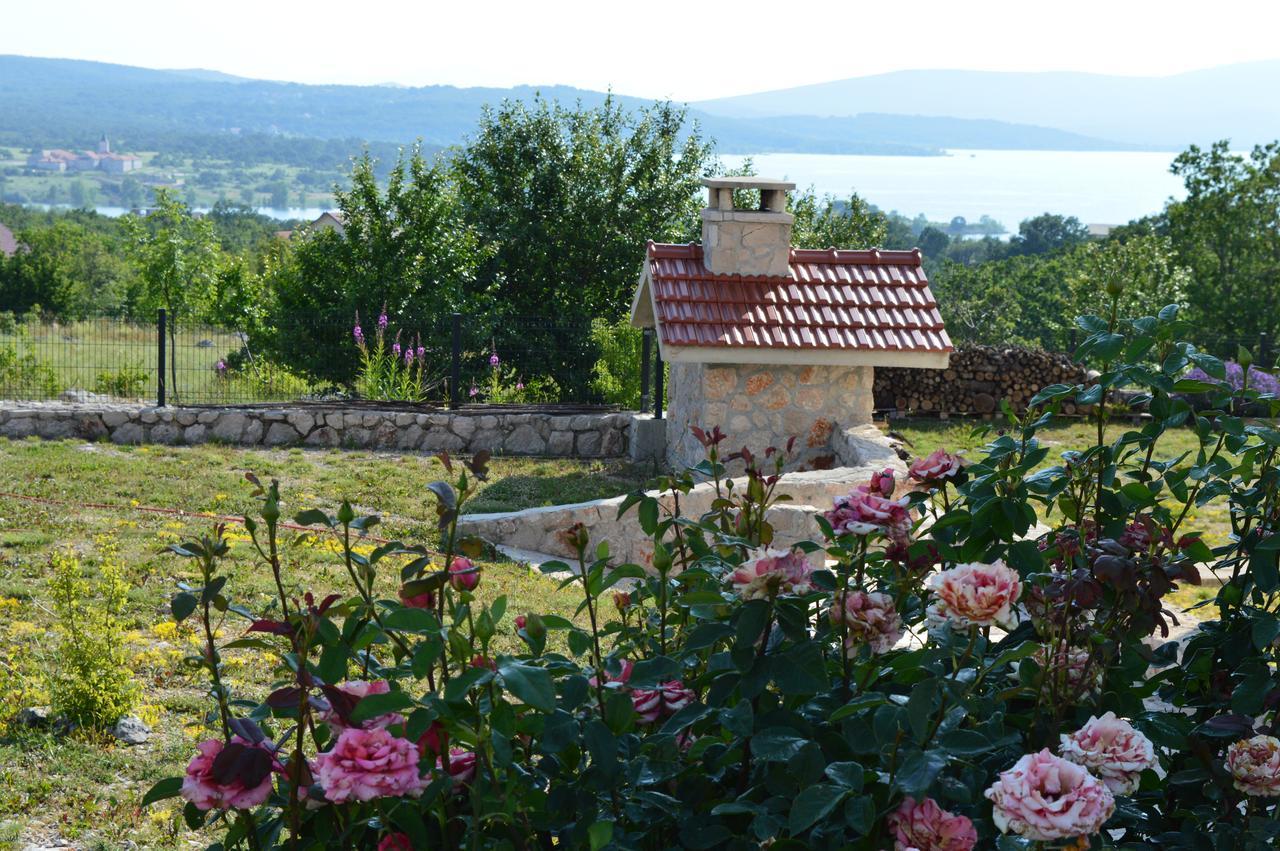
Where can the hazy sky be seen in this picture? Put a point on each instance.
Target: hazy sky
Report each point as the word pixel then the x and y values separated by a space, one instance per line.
pixel 687 50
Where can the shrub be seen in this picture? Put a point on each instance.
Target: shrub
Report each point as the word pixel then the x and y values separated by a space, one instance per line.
pixel 127 382
pixel 23 373
pixel 90 681
pixel 616 375
pixel 937 673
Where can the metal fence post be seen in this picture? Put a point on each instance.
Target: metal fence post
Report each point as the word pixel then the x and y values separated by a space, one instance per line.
pixel 455 364
pixel 161 319
pixel 657 389
pixel 645 356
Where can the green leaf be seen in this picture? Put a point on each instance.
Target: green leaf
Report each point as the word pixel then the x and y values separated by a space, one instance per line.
pixel 458 687
pixel 407 619
pixel 182 605
pixel 600 834
pixel 312 517
pixel 847 774
pixel 444 493
pixel 814 804
pixel 380 704
pixel 919 769
pixel 648 515
pixel 777 744
pixel 648 673
pixel 170 787
pixel 531 685
pixel 1266 627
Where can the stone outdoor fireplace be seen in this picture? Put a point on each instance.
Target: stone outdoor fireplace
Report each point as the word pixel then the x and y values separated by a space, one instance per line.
pixel 769 341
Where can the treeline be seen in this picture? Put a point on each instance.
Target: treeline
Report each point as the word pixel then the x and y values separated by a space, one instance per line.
pixel 544 213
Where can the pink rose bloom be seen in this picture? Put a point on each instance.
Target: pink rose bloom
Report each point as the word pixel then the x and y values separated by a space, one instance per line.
pixel 976 594
pixel 861 512
pixel 521 620
pixel 425 600
pixel 939 466
pixel 396 842
pixel 463 575
pixel 1045 798
pixel 462 766
pixel 1112 750
pixel 368 764
pixel 433 741
pixel 624 674
pixel 871 618
pixel 207 791
pixel 925 826
pixel 769 573
pixel 882 483
pixel 662 702
pixel 1070 669
pixel 1254 765
pixel 360 689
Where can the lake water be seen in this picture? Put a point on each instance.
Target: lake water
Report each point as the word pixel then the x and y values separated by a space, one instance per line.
pixel 304 213
pixel 1097 187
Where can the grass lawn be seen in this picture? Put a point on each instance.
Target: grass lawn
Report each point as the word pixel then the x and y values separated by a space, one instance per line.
pixel 85 788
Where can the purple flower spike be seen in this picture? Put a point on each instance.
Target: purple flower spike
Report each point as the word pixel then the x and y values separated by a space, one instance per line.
pixel 493 359
pixel 395 349
pixel 421 352
pixel 382 321
pixel 358 334
pixel 519 385
pixel 475 391
pixel 221 367
pixel 408 356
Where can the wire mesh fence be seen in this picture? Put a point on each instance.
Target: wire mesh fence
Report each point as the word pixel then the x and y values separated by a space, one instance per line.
pixel 452 360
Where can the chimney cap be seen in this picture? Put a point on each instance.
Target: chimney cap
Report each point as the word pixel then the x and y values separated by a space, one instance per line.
pixel 767 183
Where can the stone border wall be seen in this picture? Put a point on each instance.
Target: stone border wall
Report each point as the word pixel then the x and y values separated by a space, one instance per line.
pixel 572 436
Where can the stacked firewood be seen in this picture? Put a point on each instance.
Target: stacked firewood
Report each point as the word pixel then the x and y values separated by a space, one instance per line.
pixel 978 378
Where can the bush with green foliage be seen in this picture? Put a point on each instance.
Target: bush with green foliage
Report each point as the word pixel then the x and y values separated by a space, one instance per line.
pixel 938 672
pixel 127 382
pixel 615 378
pixel 89 680
pixel 22 373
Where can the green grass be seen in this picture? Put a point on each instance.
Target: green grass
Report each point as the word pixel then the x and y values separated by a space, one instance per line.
pixel 84 788
pixel 117 357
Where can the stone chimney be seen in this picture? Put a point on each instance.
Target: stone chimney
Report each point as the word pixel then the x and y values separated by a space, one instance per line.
pixel 739 241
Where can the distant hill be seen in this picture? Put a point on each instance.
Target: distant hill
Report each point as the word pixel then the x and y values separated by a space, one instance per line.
pixel 59 102
pixel 1235 101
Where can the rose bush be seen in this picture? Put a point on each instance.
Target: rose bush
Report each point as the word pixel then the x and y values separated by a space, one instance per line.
pixel 739 693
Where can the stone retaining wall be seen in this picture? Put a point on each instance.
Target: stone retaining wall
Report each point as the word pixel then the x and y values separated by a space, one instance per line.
pixel 576 436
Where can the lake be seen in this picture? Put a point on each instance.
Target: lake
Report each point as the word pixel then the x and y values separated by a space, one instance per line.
pixel 1097 187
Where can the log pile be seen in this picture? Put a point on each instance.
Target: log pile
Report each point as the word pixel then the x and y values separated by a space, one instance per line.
pixel 978 378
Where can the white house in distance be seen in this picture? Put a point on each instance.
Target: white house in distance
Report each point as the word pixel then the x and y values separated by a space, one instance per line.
pixel 103 159
pixel 325 221
pixel 771 342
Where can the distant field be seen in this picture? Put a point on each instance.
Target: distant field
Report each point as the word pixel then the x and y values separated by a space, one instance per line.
pixel 200 182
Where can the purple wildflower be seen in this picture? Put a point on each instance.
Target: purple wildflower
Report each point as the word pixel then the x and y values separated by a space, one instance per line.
pixel 1258 380
pixel 395 349
pixel 382 320
pixel 221 367
pixel 358 333
pixel 475 391
pixel 519 385
pixel 493 359
pixel 422 352
pixel 408 356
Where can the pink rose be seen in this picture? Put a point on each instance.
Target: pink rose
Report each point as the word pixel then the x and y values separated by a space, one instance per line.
pixel 939 466
pixel 624 674
pixel 768 573
pixel 871 619
pixel 1070 672
pixel 521 620
pixel 925 826
pixel 1255 766
pixel 1044 798
pixel 861 512
pixel 368 764
pixel 1112 750
pixel 433 740
pixel 240 783
pixel 882 483
pixel 425 600
pixel 463 575
pixel 396 842
pixel 976 594
pixel 662 702
pixel 482 661
pixel 360 689
pixel 462 766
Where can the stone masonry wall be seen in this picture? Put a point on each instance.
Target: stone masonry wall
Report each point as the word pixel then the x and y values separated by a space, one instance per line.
pixel 578 436
pixel 759 405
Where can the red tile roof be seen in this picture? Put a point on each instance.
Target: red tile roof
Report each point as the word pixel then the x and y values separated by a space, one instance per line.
pixel 834 300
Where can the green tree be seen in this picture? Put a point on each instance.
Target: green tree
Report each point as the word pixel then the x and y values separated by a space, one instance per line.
pixel 177 258
pixel 832 223
pixel 1143 269
pixel 402 248
pixel 66 268
pixel 1227 231
pixel 1046 233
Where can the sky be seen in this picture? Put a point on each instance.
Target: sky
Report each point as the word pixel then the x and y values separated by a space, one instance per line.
pixel 685 50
